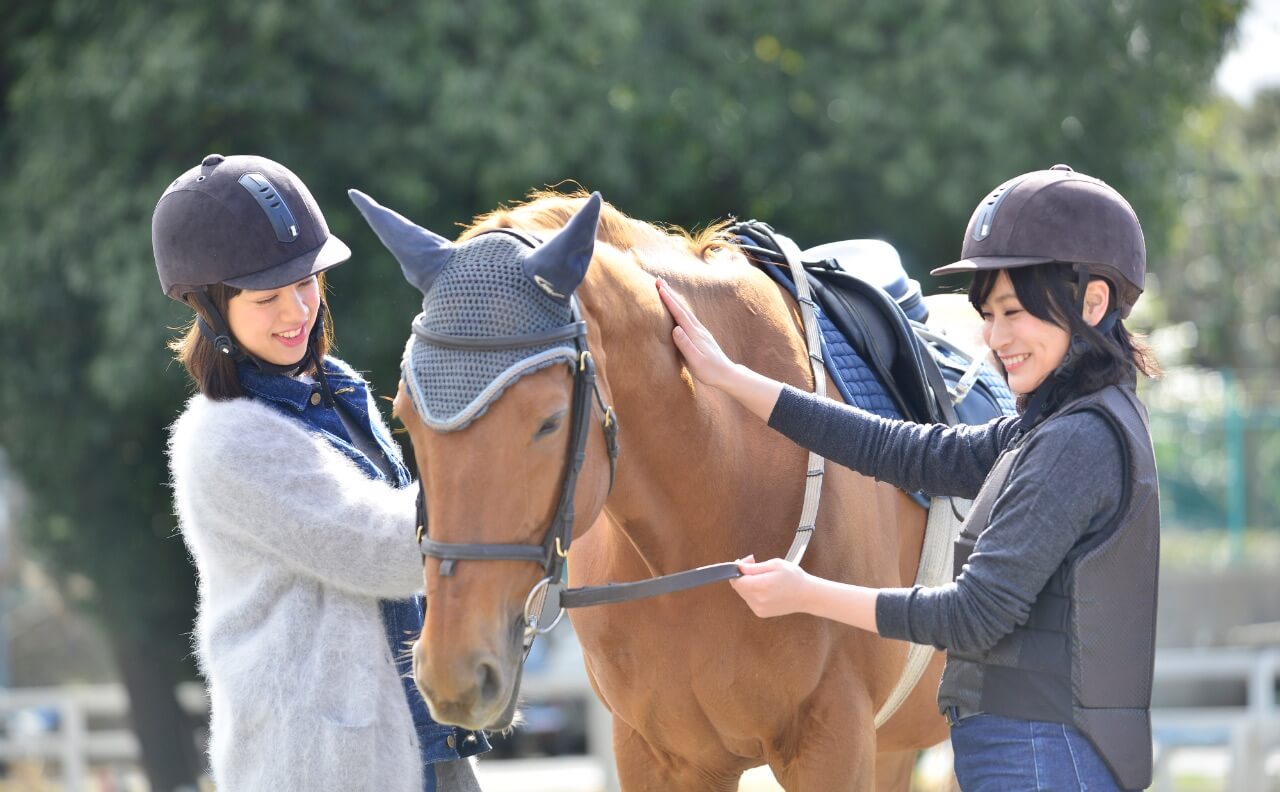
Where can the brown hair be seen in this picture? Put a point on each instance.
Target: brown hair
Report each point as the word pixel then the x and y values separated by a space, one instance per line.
pixel 214 373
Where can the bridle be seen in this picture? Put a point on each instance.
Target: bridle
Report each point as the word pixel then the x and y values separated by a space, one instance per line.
pixel 553 552
pixel 554 549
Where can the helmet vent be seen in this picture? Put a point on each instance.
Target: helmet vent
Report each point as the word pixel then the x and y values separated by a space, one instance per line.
pixel 272 204
pixel 986 215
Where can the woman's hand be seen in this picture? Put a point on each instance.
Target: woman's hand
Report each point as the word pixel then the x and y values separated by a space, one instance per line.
pixel 702 354
pixel 773 588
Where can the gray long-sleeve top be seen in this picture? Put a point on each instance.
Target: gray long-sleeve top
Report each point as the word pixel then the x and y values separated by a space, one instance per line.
pixel 1063 487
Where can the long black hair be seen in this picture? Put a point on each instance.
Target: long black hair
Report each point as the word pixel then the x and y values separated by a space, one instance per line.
pixel 1050 292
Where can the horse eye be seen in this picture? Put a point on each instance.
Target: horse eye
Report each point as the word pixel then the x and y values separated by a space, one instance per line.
pixel 548 427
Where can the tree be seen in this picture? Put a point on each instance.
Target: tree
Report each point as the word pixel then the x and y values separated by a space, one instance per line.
pixel 833 120
pixel 1220 274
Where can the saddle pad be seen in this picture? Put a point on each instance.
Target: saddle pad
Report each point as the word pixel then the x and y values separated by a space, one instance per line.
pixel 989 381
pixel 854 378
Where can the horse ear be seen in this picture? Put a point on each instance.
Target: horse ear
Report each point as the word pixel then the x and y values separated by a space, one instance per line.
pixel 559 266
pixel 421 253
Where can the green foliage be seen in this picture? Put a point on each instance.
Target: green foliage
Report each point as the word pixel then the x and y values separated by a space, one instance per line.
pixel 831 120
pixel 1221 275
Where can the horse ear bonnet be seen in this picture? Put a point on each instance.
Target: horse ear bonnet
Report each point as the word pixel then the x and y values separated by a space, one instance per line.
pixel 485 286
pixel 421 253
pixel 560 265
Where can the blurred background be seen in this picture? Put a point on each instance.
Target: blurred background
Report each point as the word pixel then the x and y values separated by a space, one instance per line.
pixel 885 119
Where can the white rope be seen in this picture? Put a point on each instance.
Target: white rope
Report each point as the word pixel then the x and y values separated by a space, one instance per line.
pixel 813 344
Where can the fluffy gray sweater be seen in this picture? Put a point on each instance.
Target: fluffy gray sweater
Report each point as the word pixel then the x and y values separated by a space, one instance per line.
pixel 1063 488
pixel 294 546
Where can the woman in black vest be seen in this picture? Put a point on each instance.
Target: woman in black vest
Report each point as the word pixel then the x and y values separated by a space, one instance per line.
pixel 1049 626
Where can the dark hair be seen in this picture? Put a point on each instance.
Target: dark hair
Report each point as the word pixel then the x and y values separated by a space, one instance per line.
pixel 1049 292
pixel 214 373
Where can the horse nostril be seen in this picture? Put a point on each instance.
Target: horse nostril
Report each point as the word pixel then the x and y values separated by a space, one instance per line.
pixel 490 680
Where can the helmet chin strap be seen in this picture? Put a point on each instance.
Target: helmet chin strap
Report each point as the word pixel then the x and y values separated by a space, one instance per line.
pixel 220 336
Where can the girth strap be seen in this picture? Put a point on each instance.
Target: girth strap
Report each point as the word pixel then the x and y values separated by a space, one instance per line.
pixel 774 246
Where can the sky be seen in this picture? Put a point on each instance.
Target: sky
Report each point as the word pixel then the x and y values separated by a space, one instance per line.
pixel 1254 61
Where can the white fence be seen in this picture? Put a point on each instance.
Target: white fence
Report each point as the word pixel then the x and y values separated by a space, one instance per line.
pixel 83 729
pixel 1250 733
pixel 78 744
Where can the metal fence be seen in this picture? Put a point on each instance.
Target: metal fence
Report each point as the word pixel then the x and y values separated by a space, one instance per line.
pixel 1217 439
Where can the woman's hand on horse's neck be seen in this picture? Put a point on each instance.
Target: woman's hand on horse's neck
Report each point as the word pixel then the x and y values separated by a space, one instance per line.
pixel 711 366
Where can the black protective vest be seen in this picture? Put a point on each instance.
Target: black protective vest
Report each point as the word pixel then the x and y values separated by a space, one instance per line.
pixel 1085 654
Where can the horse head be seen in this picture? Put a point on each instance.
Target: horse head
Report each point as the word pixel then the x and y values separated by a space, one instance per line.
pixel 492 395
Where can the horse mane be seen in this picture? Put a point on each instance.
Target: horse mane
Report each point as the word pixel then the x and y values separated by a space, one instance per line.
pixel 548 209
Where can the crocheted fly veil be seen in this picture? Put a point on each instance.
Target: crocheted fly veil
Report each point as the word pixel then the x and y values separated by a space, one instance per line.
pixel 497 284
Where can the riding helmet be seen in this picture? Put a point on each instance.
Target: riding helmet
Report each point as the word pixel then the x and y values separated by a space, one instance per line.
pixel 1058 215
pixel 242 220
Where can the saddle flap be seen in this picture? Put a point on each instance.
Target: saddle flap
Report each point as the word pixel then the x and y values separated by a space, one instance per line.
pixel 879 330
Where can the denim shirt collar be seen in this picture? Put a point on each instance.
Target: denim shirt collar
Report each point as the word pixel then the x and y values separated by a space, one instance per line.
pixel 292 391
pixel 303 400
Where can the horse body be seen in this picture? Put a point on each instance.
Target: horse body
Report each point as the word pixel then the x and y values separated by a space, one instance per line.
pixel 699 688
pixel 697 684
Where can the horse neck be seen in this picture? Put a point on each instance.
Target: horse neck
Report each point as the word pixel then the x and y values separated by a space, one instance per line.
pixel 694 466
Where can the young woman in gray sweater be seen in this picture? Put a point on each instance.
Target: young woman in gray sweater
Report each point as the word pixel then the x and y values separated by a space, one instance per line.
pixel 294 503
pixel 1049 625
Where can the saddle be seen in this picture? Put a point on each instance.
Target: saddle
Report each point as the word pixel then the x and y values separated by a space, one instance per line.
pixel 875 344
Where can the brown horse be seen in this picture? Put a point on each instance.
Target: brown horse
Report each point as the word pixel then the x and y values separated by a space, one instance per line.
pixel 700 689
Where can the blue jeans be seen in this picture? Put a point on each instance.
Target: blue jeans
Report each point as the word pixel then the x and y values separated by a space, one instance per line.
pixel 995 754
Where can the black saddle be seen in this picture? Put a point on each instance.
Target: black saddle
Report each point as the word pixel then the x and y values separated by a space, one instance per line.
pixel 918 370
pixel 874 325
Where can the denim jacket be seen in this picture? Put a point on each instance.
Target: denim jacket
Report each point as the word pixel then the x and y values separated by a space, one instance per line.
pixel 402 619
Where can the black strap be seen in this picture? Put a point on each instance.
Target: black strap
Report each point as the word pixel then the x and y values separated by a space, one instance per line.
pixel 666 584
pixel 934 377
pixel 569 332
pixel 458 551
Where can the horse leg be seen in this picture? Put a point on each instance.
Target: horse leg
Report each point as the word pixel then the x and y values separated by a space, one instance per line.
pixel 893 770
pixel 833 748
pixel 644 768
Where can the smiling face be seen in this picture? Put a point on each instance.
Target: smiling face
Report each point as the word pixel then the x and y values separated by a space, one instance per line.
pixel 1029 348
pixel 274 325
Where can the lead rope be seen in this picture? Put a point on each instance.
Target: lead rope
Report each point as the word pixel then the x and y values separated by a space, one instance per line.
pixel 814 472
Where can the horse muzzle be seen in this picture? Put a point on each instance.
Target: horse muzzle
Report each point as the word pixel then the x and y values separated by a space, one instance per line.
pixel 476 691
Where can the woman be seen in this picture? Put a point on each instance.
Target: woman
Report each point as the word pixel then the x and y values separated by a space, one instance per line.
pixel 294 503
pixel 1049 625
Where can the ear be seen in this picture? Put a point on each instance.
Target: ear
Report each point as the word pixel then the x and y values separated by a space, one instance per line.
pixel 421 253
pixel 1097 299
pixel 559 266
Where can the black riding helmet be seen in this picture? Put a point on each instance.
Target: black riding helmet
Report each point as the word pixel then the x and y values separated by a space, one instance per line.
pixel 247 222
pixel 1059 216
